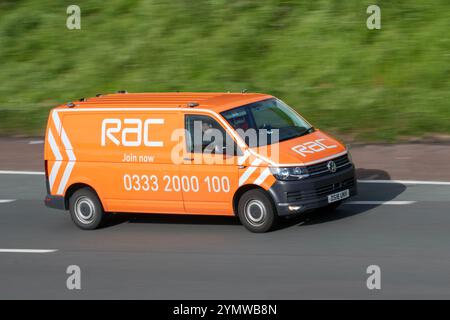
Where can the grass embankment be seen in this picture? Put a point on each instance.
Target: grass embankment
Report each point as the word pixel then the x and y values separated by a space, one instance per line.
pixel 318 56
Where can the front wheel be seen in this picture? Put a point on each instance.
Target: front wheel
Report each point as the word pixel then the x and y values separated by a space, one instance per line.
pixel 86 210
pixel 256 211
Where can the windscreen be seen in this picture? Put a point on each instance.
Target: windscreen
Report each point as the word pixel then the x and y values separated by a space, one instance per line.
pixel 266 122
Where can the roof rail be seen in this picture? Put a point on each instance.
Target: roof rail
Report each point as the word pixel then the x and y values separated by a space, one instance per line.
pixel 82 99
pixel 192 104
pixel 122 91
pixel 70 104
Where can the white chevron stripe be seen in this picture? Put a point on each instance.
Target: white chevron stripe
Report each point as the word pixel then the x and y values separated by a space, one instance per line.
pixel 244 157
pixel 56 121
pixel 262 176
pixel 58 157
pixel 265 159
pixel 67 145
pixel 54 146
pixel 65 177
pixel 249 171
pixel 69 151
pixel 54 173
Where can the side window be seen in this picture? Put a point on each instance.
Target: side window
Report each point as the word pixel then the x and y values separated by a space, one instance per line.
pixel 206 135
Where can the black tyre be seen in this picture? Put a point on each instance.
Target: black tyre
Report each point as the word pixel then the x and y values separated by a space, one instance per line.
pixel 256 211
pixel 86 210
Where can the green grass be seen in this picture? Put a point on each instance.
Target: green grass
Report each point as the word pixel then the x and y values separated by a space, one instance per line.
pixel 318 56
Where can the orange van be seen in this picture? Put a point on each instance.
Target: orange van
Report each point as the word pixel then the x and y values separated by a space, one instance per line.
pixel 243 154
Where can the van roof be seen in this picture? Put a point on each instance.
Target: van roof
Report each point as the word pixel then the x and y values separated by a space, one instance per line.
pixel 217 101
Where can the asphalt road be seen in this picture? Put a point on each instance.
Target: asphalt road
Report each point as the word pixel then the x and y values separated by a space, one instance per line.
pixel 321 255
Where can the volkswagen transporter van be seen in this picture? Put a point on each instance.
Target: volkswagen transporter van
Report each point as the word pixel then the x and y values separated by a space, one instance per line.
pixel 242 154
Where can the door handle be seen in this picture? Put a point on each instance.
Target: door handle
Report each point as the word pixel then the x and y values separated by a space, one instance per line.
pixel 188 159
pixel 242 167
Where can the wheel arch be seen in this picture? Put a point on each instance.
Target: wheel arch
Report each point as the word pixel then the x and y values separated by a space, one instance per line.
pixel 74 188
pixel 243 189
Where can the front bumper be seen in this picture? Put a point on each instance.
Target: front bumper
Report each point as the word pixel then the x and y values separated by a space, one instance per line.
pixel 311 193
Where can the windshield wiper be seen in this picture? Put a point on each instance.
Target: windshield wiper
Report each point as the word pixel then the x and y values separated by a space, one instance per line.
pixel 302 133
pixel 306 131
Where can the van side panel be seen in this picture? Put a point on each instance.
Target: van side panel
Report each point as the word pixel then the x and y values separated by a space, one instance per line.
pixel 126 157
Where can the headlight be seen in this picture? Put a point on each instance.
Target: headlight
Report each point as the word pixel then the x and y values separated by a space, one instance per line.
pixel 289 173
pixel 349 155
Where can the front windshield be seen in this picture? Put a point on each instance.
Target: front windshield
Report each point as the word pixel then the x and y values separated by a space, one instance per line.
pixel 266 122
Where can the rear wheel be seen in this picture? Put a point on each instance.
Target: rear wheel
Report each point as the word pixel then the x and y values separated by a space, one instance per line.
pixel 86 210
pixel 256 211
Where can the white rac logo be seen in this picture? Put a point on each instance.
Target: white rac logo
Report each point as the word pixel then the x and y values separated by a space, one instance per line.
pixel 130 132
pixel 312 147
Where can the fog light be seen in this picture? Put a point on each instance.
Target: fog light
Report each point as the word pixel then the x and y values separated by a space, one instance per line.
pixel 294 208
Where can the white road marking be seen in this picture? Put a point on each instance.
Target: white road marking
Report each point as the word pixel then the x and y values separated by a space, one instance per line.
pixel 443 183
pixel 380 202
pixel 39 173
pixel 36 142
pixel 27 250
pixel 7 200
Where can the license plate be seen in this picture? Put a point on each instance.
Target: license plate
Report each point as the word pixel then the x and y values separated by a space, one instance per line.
pixel 338 196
